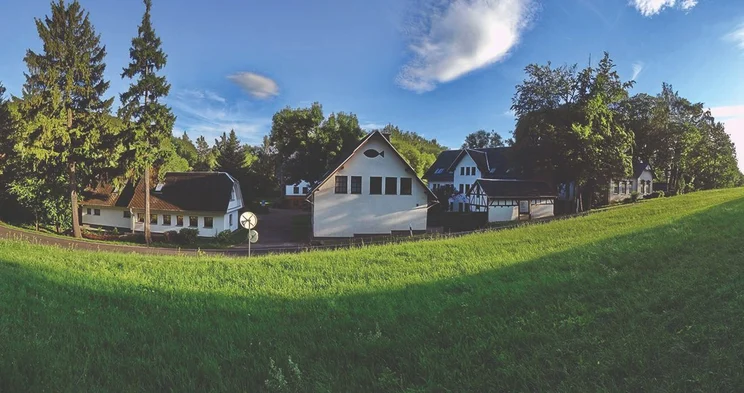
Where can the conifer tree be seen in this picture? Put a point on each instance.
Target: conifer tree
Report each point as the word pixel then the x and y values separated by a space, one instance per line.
pixel 149 123
pixel 63 111
pixel 230 154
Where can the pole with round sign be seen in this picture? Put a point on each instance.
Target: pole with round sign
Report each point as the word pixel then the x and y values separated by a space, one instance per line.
pixel 249 221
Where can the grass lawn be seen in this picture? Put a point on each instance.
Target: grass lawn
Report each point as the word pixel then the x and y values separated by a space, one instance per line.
pixel 644 298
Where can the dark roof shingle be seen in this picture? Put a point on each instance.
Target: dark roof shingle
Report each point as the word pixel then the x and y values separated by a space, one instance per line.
pixel 492 162
pixel 188 191
pixel 105 195
pixel 515 188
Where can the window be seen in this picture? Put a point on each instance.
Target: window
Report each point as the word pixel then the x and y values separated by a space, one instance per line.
pixel 462 188
pixel 296 190
pixel 405 186
pixel 391 186
pixel 472 171
pixel 341 184
pixel 616 186
pixel 622 187
pixel 630 186
pixel 230 220
pixel 356 184
pixel 305 190
pixel 467 188
pixel 154 219
pixel 96 212
pixel 88 211
pixel 375 186
pixel 193 221
pixel 140 217
pixel 439 171
pixel 462 171
pixel 208 222
pixel 232 196
pixel 467 171
pixel 127 214
pixel 166 219
pixel 179 221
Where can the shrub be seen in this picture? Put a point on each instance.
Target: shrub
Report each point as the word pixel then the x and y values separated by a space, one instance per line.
pixel 655 194
pixel 171 237
pixel 224 237
pixel 634 196
pixel 188 235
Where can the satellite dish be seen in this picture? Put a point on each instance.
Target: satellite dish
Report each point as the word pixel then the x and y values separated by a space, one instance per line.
pixel 248 220
pixel 253 236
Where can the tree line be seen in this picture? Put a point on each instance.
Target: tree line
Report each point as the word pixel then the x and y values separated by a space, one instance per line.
pixel 583 127
pixel 60 135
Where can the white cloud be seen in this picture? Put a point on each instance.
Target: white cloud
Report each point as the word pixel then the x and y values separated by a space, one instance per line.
pixel 462 36
pixel 688 4
pixel 372 126
pixel 653 7
pixel 637 69
pixel 208 114
pixel 256 85
pixel 733 118
pixel 737 36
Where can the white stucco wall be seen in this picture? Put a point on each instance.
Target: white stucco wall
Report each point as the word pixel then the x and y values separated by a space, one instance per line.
pixel 465 180
pixel 541 211
pixel 503 213
pixel 344 215
pixel 289 190
pixel 511 213
pixel 110 217
pixel 434 185
pixel 645 176
pixel 217 226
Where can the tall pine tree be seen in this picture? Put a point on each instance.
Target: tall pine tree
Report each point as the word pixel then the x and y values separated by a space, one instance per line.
pixel 63 110
pixel 149 122
pixel 230 154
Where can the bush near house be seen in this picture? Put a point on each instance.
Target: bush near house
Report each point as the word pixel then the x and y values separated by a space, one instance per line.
pixel 646 297
pixel 634 196
pixel 188 235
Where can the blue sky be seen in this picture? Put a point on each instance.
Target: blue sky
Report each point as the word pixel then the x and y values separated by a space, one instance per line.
pixel 442 68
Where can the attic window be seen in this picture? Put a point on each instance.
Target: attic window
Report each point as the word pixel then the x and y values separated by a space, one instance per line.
pixel 493 170
pixel 159 187
pixel 439 171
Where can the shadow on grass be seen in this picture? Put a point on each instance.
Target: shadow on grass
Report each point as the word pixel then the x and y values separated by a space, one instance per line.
pixel 655 310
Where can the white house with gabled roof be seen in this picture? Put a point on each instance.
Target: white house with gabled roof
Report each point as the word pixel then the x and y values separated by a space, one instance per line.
pixel 371 191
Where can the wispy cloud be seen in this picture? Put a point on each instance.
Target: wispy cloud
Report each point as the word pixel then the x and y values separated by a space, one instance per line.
pixel 732 117
pixel 736 36
pixel 203 94
pixel 637 69
pixel 256 85
pixel 199 112
pixel 460 36
pixel 653 7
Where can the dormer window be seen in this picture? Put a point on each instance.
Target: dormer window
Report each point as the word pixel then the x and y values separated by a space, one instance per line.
pixel 159 187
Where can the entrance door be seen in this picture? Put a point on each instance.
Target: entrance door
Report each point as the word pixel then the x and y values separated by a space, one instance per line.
pixel 524 210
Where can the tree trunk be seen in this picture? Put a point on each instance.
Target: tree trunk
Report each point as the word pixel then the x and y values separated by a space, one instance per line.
pixel 148 235
pixel 590 185
pixel 73 201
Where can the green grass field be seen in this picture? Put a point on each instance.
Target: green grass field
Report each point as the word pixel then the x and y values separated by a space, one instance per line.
pixel 647 297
